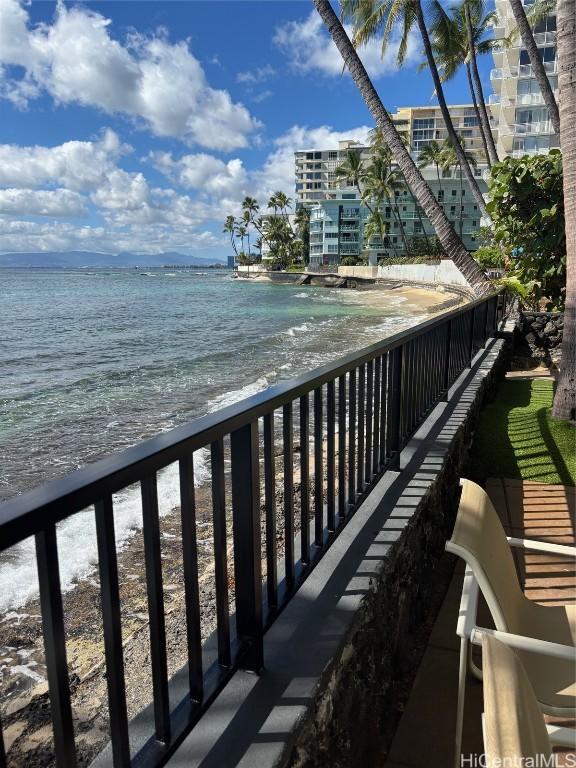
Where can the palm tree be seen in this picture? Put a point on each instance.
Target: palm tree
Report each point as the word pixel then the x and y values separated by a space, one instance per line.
pixel 241 233
pixel 247 219
pixel 451 160
pixel 452 47
pixel 432 154
pixel 565 397
pixel 382 184
pixel 448 238
pixel 302 223
pixel 537 63
pixel 372 16
pixel 379 146
pixel 376 226
pixel 230 227
pixel 280 200
pixel 352 169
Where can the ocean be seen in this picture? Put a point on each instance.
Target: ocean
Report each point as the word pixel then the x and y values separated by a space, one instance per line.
pixel 94 361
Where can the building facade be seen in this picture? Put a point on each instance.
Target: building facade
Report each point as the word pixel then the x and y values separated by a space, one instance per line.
pixel 524 126
pixel 338 217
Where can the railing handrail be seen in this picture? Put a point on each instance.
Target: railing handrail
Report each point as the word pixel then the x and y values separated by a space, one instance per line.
pixel 57 499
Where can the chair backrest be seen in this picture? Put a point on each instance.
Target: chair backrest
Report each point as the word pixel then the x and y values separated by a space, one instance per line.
pixel 480 539
pixel 514 728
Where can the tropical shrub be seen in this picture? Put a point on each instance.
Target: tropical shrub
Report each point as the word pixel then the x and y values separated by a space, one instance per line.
pixel 489 257
pixel 527 210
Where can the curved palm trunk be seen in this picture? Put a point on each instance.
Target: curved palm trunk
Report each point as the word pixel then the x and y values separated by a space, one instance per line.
pixel 477 111
pixel 479 93
pixel 448 238
pixel 565 398
pixel 537 64
pixel 445 112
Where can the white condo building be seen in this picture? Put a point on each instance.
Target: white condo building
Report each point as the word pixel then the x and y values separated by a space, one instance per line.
pixel 337 216
pixel 524 126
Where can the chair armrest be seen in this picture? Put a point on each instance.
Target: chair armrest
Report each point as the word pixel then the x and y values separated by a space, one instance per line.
pixel 524 643
pixel 468 605
pixel 561 737
pixel 542 546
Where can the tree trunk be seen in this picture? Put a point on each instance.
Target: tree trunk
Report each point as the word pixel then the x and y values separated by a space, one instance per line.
pixel 402 230
pixel 454 140
pixel 448 238
pixel 460 211
pixel 537 64
pixel 565 397
pixel 484 119
pixel 477 111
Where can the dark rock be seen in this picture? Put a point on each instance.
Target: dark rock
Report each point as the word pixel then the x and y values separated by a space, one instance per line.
pixel 538 324
pixel 549 328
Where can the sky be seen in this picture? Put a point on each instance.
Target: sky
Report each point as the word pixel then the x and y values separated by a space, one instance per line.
pixel 139 125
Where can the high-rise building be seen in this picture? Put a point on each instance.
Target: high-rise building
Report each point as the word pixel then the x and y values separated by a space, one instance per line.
pixel 338 216
pixel 524 126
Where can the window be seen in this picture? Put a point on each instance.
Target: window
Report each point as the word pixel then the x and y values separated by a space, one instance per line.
pixel 394 239
pixel 317 175
pixel 309 155
pixel 474 223
pixel 470 122
pixel 404 208
pixel 348 196
pixel 452 209
pixel 447 173
pixel 440 195
pixel 417 228
pixel 478 172
pixel 332 155
pixel 453 193
pixel 317 155
pixel 423 122
pixel 463 192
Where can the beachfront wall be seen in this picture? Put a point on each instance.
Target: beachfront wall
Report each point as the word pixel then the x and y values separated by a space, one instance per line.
pixel 443 272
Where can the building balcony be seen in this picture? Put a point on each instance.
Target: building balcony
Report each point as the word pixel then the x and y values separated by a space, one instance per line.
pixel 520 100
pixel 526 129
pixel 349 227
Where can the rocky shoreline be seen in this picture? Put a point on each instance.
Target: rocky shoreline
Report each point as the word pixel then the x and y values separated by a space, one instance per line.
pixel 25 706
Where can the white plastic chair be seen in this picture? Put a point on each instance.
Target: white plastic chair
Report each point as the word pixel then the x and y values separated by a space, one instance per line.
pixel 513 726
pixel 544 636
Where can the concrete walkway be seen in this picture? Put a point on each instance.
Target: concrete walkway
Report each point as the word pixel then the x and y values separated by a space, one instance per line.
pixel 425 733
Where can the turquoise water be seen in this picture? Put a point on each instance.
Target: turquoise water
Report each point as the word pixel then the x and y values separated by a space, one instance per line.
pixel 94 361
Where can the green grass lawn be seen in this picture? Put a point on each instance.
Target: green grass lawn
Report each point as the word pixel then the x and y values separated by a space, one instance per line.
pixel 518 438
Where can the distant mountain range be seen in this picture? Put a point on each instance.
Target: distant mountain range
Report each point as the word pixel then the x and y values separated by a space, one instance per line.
pixel 90 259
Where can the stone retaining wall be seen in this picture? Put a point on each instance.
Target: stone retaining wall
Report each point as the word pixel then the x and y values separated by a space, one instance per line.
pixel 539 335
pixel 355 709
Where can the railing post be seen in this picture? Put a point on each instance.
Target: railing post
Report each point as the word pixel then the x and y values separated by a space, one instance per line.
pixel 395 394
pixel 55 647
pixel 471 339
pixel 247 545
pixel 447 362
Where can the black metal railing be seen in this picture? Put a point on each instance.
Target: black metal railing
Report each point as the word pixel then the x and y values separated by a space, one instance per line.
pixel 351 419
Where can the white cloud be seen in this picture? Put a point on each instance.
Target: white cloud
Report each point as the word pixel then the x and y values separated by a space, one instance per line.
pixel 258 75
pixel 24 236
pixel 86 177
pixel 223 185
pixel 262 96
pixel 76 165
pixel 309 48
pixel 203 172
pixel 76 60
pixel 31 202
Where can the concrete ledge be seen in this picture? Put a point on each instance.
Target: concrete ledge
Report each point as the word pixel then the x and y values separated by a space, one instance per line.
pixel 328 690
